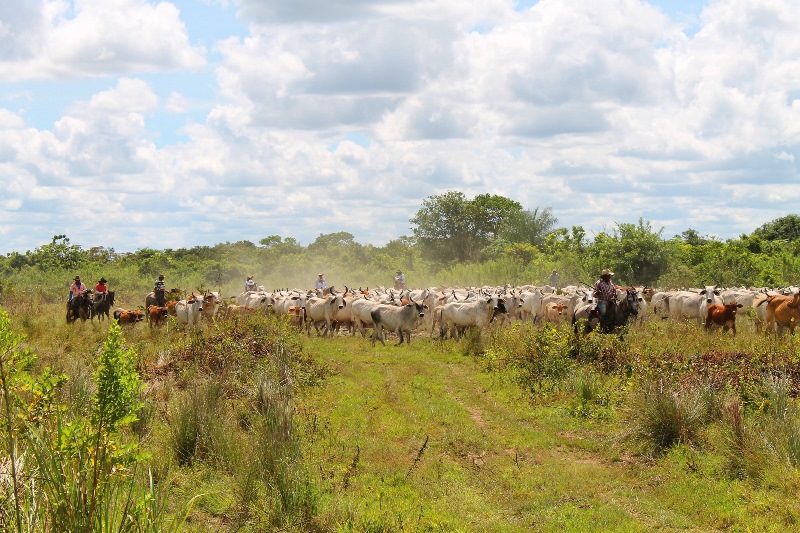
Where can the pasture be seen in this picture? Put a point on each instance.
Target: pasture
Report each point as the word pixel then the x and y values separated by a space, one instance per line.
pixel 246 425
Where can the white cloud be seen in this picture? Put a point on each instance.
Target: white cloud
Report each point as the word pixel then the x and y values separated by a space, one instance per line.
pixel 330 116
pixel 77 38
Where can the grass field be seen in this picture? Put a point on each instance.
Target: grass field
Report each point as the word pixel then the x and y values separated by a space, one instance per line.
pixel 519 429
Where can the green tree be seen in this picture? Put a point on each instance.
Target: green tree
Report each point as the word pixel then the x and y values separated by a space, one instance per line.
pixel 635 252
pixel 59 253
pixel 785 228
pixel 450 227
pixel 530 227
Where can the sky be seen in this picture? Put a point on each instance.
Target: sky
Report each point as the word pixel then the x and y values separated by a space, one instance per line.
pixel 136 124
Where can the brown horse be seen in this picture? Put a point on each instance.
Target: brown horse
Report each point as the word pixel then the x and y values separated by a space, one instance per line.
pixel 80 307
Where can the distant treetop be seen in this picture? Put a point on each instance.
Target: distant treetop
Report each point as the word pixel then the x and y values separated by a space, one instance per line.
pixel 785 228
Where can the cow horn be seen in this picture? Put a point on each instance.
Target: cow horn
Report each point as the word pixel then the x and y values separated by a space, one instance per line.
pixel 346 290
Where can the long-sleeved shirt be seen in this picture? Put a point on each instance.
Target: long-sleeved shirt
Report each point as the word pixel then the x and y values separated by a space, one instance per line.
pixel 320 283
pixel 605 290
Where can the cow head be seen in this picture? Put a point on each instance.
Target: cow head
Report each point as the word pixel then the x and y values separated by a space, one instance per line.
pixel 195 300
pixel 420 307
pixel 710 291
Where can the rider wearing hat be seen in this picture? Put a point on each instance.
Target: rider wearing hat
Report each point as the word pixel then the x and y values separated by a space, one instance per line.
pixel 75 290
pixel 249 285
pixel 101 286
pixel 320 282
pixel 160 290
pixel 604 293
pixel 399 280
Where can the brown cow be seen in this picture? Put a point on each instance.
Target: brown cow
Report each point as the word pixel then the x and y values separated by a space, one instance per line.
pixel 157 315
pixel 723 315
pixel 297 316
pixel 555 312
pixel 784 311
pixel 239 310
pixel 125 317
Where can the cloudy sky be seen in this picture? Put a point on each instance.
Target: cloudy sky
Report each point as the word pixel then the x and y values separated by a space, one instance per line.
pixel 147 123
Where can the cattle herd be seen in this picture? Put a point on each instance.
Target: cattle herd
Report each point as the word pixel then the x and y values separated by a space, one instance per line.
pixel 449 312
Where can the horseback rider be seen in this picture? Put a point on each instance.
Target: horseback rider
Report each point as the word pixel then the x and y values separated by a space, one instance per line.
pixel 100 289
pixel 75 290
pixel 160 290
pixel 399 280
pixel 249 285
pixel 605 292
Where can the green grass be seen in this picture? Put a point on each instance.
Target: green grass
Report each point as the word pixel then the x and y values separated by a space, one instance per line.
pixel 523 433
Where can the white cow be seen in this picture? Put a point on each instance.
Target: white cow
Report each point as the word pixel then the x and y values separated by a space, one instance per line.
pixel 256 299
pixel 320 310
pixel 190 310
pixel 531 304
pixel 686 304
pixel 659 303
pixel 402 320
pixel 456 316
pixel 710 296
pixel 362 319
pixel 283 302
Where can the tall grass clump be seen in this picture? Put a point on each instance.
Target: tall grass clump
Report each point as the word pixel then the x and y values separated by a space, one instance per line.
pixel 763 441
pixel 202 427
pixel 289 496
pixel 661 414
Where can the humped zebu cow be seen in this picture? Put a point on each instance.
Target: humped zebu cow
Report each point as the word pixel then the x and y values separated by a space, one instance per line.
pixel 402 320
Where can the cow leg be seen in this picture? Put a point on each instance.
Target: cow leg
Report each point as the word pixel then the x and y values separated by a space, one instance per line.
pixel 377 333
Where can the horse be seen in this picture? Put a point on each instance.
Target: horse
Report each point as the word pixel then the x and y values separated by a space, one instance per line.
pixel 83 306
pixel 617 314
pixel 102 304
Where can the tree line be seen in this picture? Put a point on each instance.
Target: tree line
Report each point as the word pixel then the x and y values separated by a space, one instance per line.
pixel 455 240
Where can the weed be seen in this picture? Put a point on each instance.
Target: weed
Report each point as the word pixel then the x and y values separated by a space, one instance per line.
pixel 472 343
pixel 592 395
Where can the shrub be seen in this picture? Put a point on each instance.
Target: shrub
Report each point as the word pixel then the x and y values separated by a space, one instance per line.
pixel 540 357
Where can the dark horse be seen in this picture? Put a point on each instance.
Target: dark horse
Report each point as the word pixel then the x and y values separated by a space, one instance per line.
pixel 80 307
pixel 102 304
pixel 617 314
